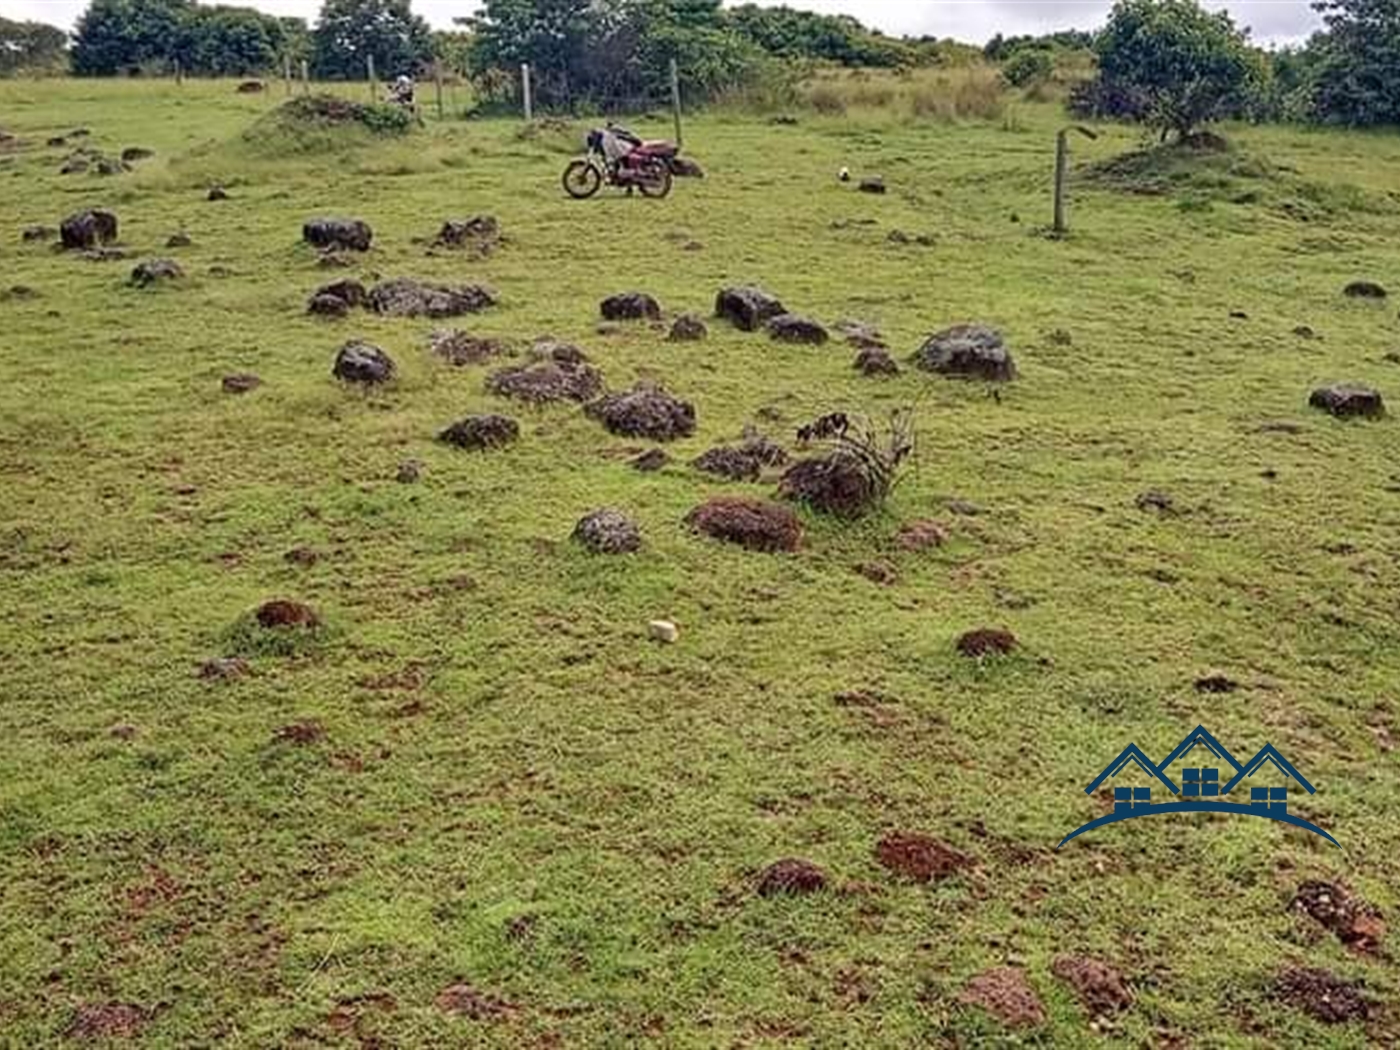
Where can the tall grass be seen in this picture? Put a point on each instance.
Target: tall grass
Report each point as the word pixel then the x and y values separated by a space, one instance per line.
pixel 971 93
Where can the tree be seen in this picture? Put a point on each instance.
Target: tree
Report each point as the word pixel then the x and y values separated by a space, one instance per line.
pixel 1185 66
pixel 31 47
pixel 1356 75
pixel 351 31
pixel 127 36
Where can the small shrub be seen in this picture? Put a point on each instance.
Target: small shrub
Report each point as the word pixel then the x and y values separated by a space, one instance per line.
pixel 1028 66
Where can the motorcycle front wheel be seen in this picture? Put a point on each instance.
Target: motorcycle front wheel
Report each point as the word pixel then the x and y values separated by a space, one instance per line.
pixel 656 183
pixel 582 180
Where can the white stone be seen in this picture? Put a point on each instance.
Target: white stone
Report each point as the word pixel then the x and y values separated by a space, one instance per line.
pixel 664 631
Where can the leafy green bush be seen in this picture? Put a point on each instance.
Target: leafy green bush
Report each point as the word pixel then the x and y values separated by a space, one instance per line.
pixel 1028 66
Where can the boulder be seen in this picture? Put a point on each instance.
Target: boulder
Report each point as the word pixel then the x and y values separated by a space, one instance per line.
pixel 347 294
pixel 154 271
pixel 972 351
pixel 747 308
pixel 88 229
pixel 459 348
pixel 743 462
pixel 685 168
pixel 789 328
pixel 645 411
pixel 688 329
pixel 338 234
pixel 608 531
pixel 251 87
pixel 359 362
pixel 328 306
pixel 651 460
pixel 75 166
pixel 480 233
pixel 547 381
pixel 1349 400
pixel 241 383
pixel 404 297
pixel 178 240
pixel 860 335
pixel 112 166
pixel 1364 290
pixel 216 193
pixel 479 433
pixel 631 306
pixel 132 154
pixel 987 641
pixel 875 185
pixel 875 361
pixel 754 524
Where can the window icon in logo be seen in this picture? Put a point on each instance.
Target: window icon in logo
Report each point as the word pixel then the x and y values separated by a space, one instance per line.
pixel 1201 783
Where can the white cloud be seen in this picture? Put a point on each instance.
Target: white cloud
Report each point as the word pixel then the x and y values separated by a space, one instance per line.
pixel 976 20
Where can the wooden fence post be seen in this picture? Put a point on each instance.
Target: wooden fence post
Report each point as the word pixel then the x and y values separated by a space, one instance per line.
pixel 179 74
pixel 437 76
pixel 526 91
pixel 373 81
pixel 1061 167
pixel 287 73
pixel 676 100
pixel 305 78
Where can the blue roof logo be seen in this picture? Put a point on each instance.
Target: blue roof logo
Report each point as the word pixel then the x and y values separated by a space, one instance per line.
pixel 1203 789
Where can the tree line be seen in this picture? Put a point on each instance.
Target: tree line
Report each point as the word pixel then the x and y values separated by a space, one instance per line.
pixel 1165 61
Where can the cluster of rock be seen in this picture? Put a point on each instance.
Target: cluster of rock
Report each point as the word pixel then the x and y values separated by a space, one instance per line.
pixel 401 297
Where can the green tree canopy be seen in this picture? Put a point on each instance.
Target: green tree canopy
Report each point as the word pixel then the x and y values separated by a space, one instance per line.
pixel 1356 68
pixel 31 47
pixel 349 32
pixel 1185 65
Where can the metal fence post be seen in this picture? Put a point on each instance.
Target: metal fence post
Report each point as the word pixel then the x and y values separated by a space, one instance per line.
pixel 373 81
pixel 527 92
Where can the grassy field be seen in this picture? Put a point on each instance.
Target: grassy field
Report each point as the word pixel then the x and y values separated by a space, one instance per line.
pixel 514 789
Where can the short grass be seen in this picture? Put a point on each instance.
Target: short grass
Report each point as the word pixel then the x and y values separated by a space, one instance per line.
pixel 515 789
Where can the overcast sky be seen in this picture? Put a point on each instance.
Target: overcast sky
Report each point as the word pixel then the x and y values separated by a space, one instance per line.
pixel 974 20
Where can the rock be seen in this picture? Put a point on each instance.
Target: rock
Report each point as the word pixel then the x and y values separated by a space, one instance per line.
pixel 350 293
pixel 405 297
pixel 837 483
pixel 791 877
pixel 155 271
pixel 630 306
pixel 359 362
pixel 973 351
pixel 111 166
pixel 480 233
pixel 645 411
pixel 685 168
pixel 875 185
pixel 281 614
pixel 879 572
pixel 874 361
pixel 1100 987
pixel 1007 995
pixel 1157 502
pixel 250 87
pixel 56 142
pixel 547 381
pixel 1348 401
pixel 301 734
pixel 651 461
pixel 922 536
pixel 664 631
pixel 132 154
pixel 479 433
pixel 217 193
pixel 75 166
pixel 410 472
pixel 178 240
pixel 547 349
pixel 754 524
pixel 608 531
pixel 789 328
pixel 987 641
pixel 241 384
pixel 38 233
pixel 1216 685
pixel 1355 922
pixel 919 857
pixel 350 235
pixel 1305 332
pixel 225 669
pixel 747 308
pixel 88 229
pixel 1365 290
pixel 462 1000
pixel 688 329
pixel 460 349
pixel 328 306
pixel 303 557
pixel 18 293
pixel 1323 996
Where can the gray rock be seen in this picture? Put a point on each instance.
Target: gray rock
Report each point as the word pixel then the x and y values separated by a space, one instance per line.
pixel 630 306
pixel 688 329
pixel 608 531
pixel 88 229
pixel 155 271
pixel 1349 401
pixel 747 308
pixel 972 351
pixel 338 234
pixel 789 328
pixel 359 362
pixel 479 433
pixel 404 297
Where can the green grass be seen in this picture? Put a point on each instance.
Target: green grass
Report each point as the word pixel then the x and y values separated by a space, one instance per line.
pixel 505 750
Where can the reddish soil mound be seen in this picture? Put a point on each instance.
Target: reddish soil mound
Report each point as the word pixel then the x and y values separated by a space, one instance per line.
pixel 987 641
pixel 287 614
pixel 835 484
pixel 1007 995
pixel 466 1001
pixel 920 857
pixel 1322 995
pixel 1355 922
pixel 791 877
pixel 755 524
pixel 107 1021
pixel 922 535
pixel 1099 986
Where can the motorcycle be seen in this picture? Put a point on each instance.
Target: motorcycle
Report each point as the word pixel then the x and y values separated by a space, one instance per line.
pixel 619 158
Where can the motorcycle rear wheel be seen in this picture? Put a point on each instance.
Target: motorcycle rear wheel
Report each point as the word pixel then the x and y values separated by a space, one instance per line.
pixel 582 180
pixel 657 182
